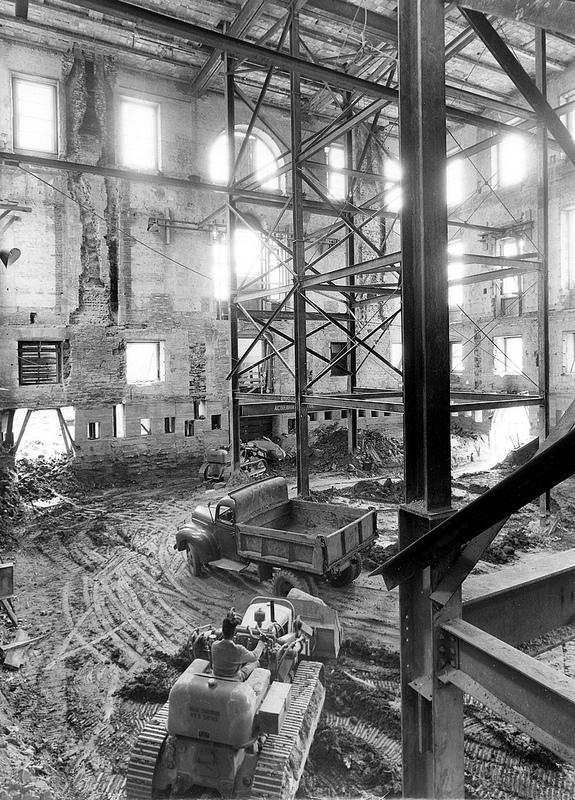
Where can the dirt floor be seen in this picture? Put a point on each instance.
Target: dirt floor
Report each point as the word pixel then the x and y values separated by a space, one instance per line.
pixel 98 580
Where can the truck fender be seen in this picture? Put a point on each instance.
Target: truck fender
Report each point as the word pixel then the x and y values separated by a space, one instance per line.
pixel 203 540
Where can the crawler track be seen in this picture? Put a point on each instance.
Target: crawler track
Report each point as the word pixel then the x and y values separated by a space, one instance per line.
pixel 145 755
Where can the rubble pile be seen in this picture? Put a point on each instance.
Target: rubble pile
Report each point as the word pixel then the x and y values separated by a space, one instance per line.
pixel 46 478
pixel 375 449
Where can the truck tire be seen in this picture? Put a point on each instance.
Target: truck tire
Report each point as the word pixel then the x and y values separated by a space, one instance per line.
pixel 347 575
pixel 194 563
pixel 285 579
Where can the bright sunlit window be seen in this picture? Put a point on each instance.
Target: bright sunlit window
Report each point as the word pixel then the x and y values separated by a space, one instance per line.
pixel 248 253
pixel 145 362
pixel 220 268
pixel 456 356
pixel 568 353
pixel 260 159
pixel 568 248
pixel 510 247
pixel 336 183
pixel 35 115
pixel 139 122
pixel 454 272
pixel 396 346
pixel 454 177
pixel 568 119
pixel 508 355
pixel 392 188
pixel 509 161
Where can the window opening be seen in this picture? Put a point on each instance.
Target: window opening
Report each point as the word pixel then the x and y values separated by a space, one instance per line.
pixel 509 161
pixel 169 424
pixel 35 115
pixel 119 421
pixel 340 368
pixel 454 272
pixel 93 430
pixel 39 363
pixel 188 427
pixel 199 409
pixel 145 362
pixel 456 354
pixel 508 355
pixel 260 159
pixel 392 187
pixel 216 422
pixel 568 119
pixel 146 427
pixel 568 353
pixel 396 346
pixel 139 122
pixel 336 181
pixel 568 248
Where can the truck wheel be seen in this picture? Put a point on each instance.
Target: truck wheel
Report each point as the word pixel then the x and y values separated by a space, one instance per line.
pixel 347 575
pixel 285 580
pixel 194 564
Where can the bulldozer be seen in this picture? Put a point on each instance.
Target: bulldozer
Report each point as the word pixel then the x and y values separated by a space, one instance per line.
pixel 241 739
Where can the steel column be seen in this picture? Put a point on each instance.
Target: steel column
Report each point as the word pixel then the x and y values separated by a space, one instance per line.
pixel 234 406
pixel 301 419
pixel 543 245
pixel 432 727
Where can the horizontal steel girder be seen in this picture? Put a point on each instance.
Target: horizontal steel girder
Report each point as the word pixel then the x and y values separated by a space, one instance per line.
pixel 525 601
pixel 544 471
pixel 540 701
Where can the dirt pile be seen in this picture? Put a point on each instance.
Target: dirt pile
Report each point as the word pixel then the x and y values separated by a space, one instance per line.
pixel 153 684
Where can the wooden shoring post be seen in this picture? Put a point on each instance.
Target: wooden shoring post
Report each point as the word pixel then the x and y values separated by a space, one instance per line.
pixel 432 718
pixel 22 431
pixel 350 262
pixel 543 246
pixel 8 426
pixel 234 405
pixel 299 323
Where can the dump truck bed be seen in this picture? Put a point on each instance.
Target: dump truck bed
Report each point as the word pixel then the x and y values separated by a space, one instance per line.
pixel 307 536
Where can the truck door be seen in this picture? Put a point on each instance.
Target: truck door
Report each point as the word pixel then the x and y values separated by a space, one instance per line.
pixel 226 531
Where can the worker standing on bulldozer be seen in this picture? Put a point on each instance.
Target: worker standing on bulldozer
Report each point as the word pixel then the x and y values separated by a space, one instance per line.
pixel 231 660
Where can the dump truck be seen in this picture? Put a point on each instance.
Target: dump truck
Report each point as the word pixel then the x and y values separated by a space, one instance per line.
pixel 245 739
pixel 292 542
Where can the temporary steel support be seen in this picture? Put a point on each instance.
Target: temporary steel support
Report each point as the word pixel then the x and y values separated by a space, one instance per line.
pixel 234 406
pixel 299 335
pixel 543 245
pixel 541 699
pixel 432 726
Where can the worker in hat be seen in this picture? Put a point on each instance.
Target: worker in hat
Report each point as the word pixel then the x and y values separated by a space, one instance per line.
pixel 231 660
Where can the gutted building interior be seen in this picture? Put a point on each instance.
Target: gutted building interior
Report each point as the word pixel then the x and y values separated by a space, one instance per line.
pixel 327 240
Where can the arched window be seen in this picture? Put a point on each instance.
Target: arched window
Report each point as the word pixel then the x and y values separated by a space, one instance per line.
pixel 260 159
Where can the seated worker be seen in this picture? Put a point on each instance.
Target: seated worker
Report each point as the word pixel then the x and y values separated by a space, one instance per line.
pixel 231 660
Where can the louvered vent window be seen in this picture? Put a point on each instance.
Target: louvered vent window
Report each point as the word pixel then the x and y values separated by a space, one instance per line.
pixel 39 362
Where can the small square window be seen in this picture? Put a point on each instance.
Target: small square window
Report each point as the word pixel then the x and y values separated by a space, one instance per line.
pixel 216 422
pixel 146 427
pixel 344 414
pixel 375 413
pixel 145 362
pixel 139 123
pixel 312 417
pixel 188 427
pixel 361 413
pixel 328 415
pixel 35 116
pixel 93 430
pixel 169 424
pixel 39 362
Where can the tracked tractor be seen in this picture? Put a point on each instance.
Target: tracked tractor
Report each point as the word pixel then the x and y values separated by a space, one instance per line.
pixel 241 739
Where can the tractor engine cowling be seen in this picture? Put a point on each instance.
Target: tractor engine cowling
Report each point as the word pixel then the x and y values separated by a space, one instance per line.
pixel 213 709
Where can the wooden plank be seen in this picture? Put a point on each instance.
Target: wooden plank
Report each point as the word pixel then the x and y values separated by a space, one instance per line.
pixel 6 580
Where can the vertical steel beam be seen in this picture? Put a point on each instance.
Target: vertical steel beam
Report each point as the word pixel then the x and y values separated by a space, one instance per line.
pixel 350 261
pixel 301 419
pixel 432 722
pixel 234 404
pixel 543 247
